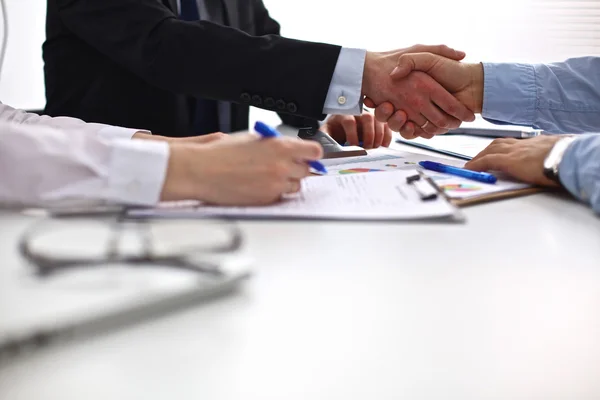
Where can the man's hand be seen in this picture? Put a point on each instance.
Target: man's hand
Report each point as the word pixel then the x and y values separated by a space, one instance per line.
pixel 354 129
pixel 424 101
pixel 242 170
pixel 520 158
pixel 202 139
pixel 463 81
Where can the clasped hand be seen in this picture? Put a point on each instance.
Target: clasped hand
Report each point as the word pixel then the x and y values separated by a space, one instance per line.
pixel 423 90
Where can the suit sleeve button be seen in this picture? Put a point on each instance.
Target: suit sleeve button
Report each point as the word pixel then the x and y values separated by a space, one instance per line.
pixel 245 98
pixel 256 100
pixel 291 107
pixel 269 102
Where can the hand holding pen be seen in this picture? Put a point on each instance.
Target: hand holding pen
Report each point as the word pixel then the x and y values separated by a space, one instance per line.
pixel 268 132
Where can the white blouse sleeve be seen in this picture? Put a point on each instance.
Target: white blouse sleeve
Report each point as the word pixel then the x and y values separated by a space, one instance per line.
pixel 51 162
pixel 107 132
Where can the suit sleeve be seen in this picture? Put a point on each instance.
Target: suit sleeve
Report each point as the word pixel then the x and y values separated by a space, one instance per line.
pixel 266 25
pixel 205 59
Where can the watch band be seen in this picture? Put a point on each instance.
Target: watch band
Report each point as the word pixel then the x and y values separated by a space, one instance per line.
pixel 554 157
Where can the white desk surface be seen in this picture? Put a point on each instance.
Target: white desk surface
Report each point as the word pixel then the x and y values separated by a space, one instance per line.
pixel 506 306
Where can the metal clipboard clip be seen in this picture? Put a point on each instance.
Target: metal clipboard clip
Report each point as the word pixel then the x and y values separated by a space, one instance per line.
pixel 425 186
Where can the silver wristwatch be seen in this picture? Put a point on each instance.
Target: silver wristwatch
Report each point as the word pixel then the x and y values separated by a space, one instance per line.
pixel 553 159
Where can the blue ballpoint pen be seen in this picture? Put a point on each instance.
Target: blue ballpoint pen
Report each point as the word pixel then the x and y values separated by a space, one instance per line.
pixel 464 173
pixel 266 131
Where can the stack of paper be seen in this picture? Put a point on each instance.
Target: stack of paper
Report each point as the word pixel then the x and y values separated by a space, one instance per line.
pixel 384 196
pixel 392 160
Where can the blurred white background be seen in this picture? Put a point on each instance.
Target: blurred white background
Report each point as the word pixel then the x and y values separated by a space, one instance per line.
pixel 488 30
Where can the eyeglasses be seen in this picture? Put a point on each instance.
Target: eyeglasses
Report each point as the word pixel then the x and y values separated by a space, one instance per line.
pixel 196 260
pixel 58 245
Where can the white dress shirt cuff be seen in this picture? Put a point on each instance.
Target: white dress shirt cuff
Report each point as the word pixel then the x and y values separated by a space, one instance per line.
pixel 345 90
pixel 115 132
pixel 137 171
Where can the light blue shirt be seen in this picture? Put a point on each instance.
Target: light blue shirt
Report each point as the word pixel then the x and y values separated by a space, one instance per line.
pixel 558 98
pixel 579 170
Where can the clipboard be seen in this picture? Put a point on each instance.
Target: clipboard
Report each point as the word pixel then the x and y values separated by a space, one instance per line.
pixel 509 194
pixel 389 159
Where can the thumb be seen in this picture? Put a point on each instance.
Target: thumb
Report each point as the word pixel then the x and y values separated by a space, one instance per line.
pixel 413 62
pixel 448 52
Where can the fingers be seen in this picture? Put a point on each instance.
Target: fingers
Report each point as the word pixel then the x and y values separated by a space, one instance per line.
pixel 445 51
pixel 397 121
pixel 368 130
pixel 408 131
pixel 414 62
pixel 451 106
pixel 307 150
pixel 387 136
pixel 293 149
pixel 293 186
pixel 369 103
pixel 419 132
pixel 379 132
pixel 351 130
pixel 498 146
pixel 496 162
pixel 439 121
pixel 411 131
pixel 384 111
pixel 298 170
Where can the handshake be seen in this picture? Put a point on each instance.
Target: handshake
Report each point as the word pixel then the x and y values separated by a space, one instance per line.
pixel 422 90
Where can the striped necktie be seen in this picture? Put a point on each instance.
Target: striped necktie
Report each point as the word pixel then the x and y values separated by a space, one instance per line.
pixel 205 112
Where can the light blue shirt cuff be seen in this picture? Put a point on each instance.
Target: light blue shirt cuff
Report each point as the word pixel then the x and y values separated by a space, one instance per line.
pixel 345 90
pixel 568 171
pixel 509 94
pixel 579 170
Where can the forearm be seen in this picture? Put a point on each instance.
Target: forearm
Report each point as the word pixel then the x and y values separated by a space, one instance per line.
pixel 559 98
pixel 66 124
pixel 349 63
pixel 205 59
pixel 579 170
pixel 41 165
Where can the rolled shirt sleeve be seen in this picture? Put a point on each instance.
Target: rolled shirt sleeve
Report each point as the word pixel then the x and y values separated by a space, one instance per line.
pixel 561 97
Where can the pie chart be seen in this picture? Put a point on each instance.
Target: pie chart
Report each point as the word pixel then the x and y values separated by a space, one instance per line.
pixel 459 187
pixel 357 170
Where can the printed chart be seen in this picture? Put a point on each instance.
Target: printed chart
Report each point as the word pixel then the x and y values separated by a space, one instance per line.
pixel 357 170
pixel 459 187
pixel 455 187
pixel 376 167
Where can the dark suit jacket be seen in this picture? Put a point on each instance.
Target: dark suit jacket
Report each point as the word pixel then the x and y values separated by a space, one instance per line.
pixel 133 63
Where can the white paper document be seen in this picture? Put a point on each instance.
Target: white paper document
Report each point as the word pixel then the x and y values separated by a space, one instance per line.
pixel 380 154
pixel 454 187
pixel 467 146
pixel 384 196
